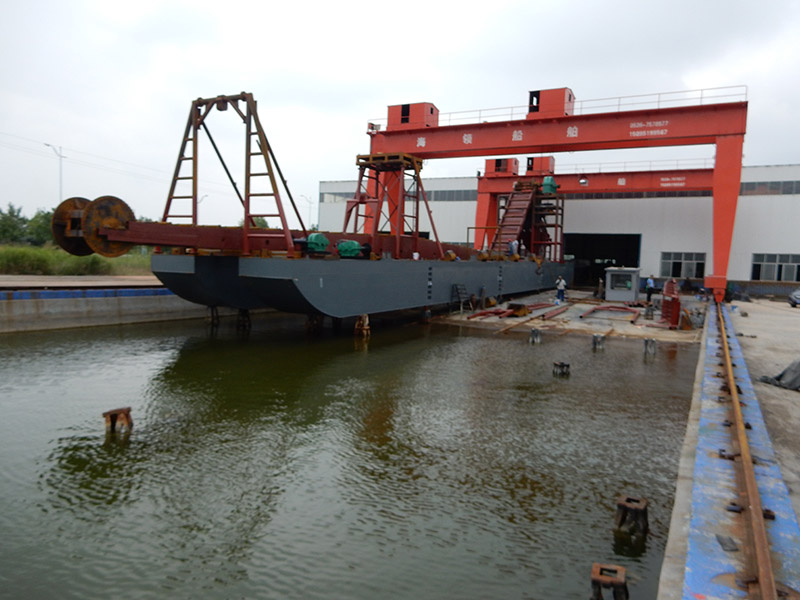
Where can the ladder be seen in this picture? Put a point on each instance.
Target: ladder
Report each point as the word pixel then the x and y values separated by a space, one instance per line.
pixel 510 228
pixel 261 186
pixel 459 294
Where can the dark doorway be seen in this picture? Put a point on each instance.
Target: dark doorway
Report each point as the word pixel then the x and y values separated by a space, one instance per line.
pixel 594 252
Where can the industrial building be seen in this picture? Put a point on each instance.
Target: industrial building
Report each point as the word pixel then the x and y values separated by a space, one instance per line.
pixel 666 233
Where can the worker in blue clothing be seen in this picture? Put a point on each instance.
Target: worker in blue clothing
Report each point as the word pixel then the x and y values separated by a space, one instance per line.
pixel 561 285
pixel 650 287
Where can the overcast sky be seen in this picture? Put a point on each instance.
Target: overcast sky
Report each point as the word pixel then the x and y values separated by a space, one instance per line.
pixel 111 83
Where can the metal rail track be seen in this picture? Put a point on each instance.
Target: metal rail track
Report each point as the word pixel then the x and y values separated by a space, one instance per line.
pixel 761 582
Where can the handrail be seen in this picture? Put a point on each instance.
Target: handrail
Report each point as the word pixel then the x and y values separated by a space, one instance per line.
pixel 628 166
pixel 700 97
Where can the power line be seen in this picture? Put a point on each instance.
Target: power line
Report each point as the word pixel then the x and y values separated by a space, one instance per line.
pixel 165 179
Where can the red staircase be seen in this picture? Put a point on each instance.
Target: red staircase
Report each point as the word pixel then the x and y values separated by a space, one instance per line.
pixel 510 228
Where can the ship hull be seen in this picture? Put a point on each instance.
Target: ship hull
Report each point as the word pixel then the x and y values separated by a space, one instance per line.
pixel 345 288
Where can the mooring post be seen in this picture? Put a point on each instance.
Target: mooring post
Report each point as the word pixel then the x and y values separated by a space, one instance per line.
pixel 426 315
pixel 362 326
pixel 121 416
pixel 632 514
pixel 598 341
pixel 535 337
pixel 315 324
pixel 561 369
pixel 609 576
pixel 243 320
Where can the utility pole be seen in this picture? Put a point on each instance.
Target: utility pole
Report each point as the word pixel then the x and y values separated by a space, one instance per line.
pixel 310 207
pixel 60 156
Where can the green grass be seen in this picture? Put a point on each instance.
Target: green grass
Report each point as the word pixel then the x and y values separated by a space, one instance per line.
pixel 29 260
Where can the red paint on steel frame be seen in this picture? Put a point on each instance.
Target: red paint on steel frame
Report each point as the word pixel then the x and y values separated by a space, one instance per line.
pixel 679 126
pixel 551 126
pixel 727 180
pixel 677 180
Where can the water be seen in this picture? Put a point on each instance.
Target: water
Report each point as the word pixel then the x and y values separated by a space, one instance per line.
pixel 428 463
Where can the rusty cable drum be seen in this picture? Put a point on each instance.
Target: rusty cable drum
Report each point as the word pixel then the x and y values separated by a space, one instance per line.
pixel 66 226
pixel 109 212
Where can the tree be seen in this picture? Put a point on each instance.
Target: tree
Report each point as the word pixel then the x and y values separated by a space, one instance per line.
pixel 258 222
pixel 37 230
pixel 12 225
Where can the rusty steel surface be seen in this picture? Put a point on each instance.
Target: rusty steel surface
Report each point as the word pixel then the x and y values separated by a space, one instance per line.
pixel 66 226
pixel 763 588
pixel 634 312
pixel 108 226
pixel 106 212
pixel 554 313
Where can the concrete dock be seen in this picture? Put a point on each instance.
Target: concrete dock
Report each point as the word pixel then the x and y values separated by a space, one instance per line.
pixel 61 282
pixel 35 303
pixel 612 324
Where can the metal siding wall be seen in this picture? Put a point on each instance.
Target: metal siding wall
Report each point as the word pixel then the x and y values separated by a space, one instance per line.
pixel 763 223
pixel 665 224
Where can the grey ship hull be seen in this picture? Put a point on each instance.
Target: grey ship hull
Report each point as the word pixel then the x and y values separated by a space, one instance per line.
pixel 344 288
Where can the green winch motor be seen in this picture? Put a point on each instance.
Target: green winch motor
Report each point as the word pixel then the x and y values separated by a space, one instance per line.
pixel 317 243
pixel 348 248
pixel 549 185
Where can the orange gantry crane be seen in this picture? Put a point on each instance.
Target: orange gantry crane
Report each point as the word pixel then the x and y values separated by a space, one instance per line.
pixel 551 125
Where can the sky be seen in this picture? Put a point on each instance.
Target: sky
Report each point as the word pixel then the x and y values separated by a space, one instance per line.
pixel 108 85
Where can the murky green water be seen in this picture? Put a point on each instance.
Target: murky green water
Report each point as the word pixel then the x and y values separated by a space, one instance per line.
pixel 430 463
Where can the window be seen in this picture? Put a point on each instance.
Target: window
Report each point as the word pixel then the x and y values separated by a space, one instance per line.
pixel 614 195
pixel 768 188
pixel 621 281
pixel 452 195
pixel 683 265
pixel 775 267
pixel 335 196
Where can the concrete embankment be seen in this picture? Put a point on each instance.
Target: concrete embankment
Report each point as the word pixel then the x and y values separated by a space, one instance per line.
pixel 30 303
pixel 766 340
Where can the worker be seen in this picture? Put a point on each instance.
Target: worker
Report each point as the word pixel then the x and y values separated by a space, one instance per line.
pixel 513 247
pixel 600 292
pixel 561 285
pixel 650 287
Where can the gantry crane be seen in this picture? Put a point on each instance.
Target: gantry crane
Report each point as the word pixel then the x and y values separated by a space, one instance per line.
pixel 551 125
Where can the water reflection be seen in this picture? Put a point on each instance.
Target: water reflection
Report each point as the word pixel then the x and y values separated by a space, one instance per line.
pixel 276 465
pixel 629 545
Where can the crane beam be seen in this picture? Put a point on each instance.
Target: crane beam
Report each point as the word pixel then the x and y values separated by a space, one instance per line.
pixel 678 126
pixel 674 181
